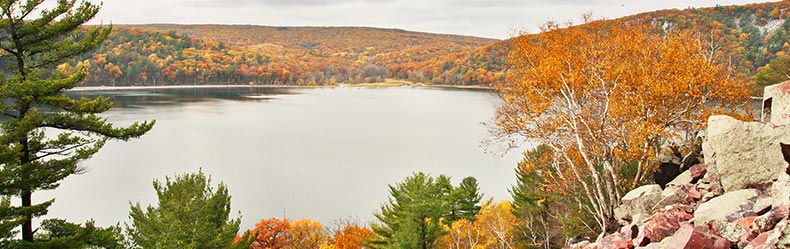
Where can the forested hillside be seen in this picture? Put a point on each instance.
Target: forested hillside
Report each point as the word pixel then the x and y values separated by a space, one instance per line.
pixel 235 54
pixel 748 36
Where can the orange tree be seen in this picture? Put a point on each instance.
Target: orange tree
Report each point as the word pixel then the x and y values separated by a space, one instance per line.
pixel 603 95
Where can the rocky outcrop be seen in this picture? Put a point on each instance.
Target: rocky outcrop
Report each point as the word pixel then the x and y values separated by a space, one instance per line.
pixel 740 197
pixel 744 154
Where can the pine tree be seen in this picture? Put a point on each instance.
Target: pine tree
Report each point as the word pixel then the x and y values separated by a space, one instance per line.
pixel 45 134
pixel 420 207
pixel 190 214
pixel 465 200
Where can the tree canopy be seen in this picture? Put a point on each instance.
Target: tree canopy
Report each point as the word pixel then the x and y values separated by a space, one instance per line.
pixel 190 214
pixel 420 207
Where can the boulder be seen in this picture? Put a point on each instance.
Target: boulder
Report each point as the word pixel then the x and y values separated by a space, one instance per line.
pixel 680 194
pixel 744 154
pixel 638 204
pixel 780 191
pixel 727 207
pixel 682 179
pixel 663 223
pixel 688 237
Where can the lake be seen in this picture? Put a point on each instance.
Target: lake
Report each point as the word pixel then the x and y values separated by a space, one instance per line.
pixel 317 153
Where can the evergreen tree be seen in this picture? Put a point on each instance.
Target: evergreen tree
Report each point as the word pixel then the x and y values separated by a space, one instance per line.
pixel 465 200
pixel 34 103
pixel 420 207
pixel 191 214
pixel 536 208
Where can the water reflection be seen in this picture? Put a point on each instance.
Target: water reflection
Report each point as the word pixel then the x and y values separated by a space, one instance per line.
pixel 134 98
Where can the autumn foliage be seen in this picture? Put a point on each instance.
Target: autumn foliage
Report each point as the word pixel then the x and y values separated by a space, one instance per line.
pixel 274 233
pixel 494 227
pixel 603 95
pixel 351 237
pixel 271 233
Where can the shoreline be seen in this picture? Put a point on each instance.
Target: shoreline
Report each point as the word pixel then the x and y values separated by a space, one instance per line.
pixel 360 85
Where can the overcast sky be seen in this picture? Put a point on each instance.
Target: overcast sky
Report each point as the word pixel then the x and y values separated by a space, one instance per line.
pixel 485 18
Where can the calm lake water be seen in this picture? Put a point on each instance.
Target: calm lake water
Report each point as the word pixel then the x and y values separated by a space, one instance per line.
pixel 321 154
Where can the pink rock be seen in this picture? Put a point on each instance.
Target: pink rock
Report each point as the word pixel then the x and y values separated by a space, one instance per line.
pixel 615 241
pixel 698 171
pixel 694 195
pixel 651 246
pixel 746 238
pixel 663 223
pixel 688 237
pixel 762 242
pixel 768 220
pixel 768 239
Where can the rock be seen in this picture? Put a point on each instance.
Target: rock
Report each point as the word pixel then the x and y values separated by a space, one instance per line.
pixel 656 245
pixel 744 154
pixel 688 236
pixel 730 231
pixel 682 179
pixel 690 176
pixel 710 186
pixel 638 204
pixel 662 224
pixel 747 238
pixel 769 220
pixel 780 191
pixel 629 231
pixel 746 222
pixel 674 194
pixel 615 241
pixel 580 245
pixel 697 171
pixel 762 204
pixel 727 207
pixel 768 239
pixel 748 235
pixel 784 240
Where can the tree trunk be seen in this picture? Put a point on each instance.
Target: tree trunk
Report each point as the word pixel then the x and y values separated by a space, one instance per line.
pixel 27 227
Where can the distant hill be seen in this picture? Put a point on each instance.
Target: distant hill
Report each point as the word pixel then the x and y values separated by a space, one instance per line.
pixel 240 54
pixel 749 36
